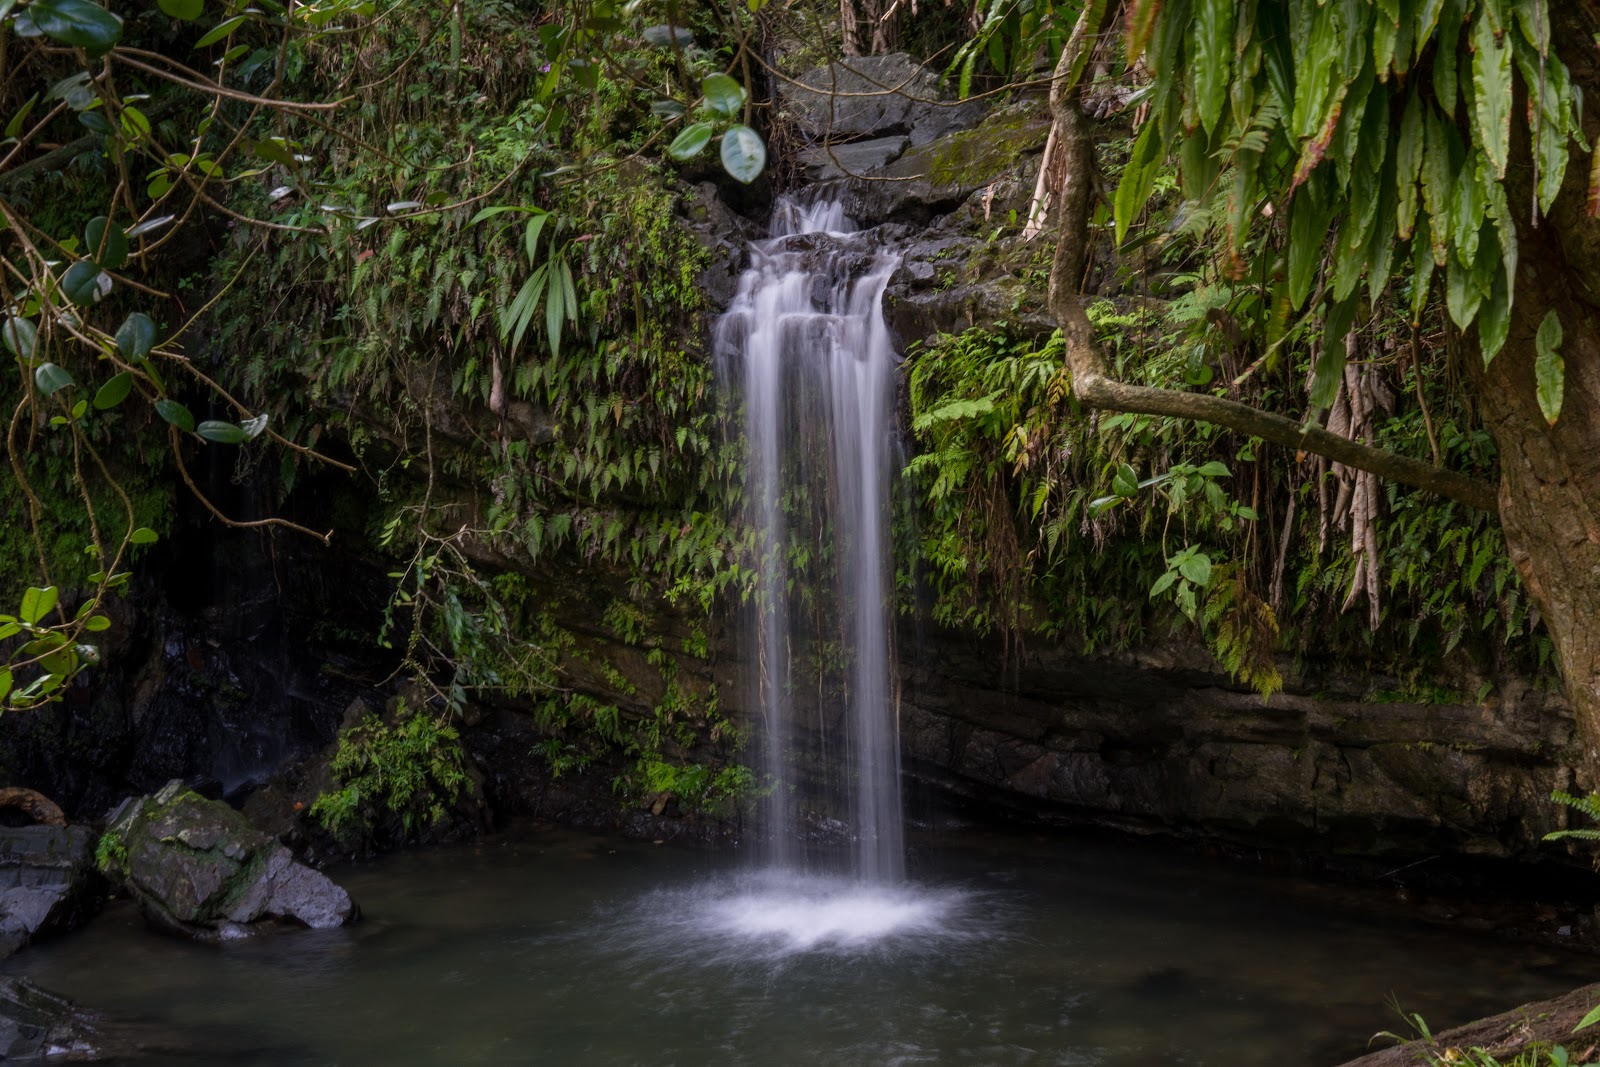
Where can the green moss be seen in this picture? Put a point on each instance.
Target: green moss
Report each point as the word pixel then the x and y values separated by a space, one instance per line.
pixel 976 157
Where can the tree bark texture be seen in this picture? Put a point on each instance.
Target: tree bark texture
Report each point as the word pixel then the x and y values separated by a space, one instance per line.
pixel 1550 475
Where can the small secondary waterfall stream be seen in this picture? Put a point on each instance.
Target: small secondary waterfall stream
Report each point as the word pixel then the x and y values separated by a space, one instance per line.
pixel 805 343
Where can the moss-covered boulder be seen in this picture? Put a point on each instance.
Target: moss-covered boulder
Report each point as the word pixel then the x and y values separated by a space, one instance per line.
pixel 198 869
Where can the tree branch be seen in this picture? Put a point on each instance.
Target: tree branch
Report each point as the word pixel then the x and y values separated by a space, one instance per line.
pixel 1096 389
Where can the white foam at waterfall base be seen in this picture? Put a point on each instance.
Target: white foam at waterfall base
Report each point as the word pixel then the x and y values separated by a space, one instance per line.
pixel 812 913
pixel 775 916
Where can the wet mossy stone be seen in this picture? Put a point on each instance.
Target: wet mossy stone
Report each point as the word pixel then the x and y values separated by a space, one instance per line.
pixel 198 869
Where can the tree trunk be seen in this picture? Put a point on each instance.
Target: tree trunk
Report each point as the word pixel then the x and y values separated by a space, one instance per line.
pixel 1550 475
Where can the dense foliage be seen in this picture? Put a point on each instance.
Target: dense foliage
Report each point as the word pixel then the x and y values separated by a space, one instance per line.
pixel 443 248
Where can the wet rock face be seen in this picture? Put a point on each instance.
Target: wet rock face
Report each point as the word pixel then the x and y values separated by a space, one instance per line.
pixel 1163 746
pixel 47 882
pixel 198 869
pixel 863 97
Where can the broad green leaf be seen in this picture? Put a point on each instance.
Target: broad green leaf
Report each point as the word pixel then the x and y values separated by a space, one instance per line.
pixel 1328 373
pixel 77 22
pixel 1197 568
pixel 1349 260
pixel 1125 482
pixel 84 283
pixel 1549 369
pixel 175 414
pixel 114 392
pixel 136 336
pixel 96 623
pixel 555 312
pixel 1212 56
pixel 1409 151
pixel 184 10
pixel 1215 469
pixel 114 252
pixel 222 433
pixel 690 142
pixel 1461 295
pixel 1197 167
pixel 1309 217
pixel 1588 1020
pixel 143 536
pixel 1163 583
pixel 1494 317
pixel 744 155
pixel 1553 119
pixel 1138 179
pixel 1491 92
pixel 1315 75
pixel 530 237
pixel 1421 271
pixel 667 109
pixel 1467 203
pixel 20 337
pixel 723 95
pixel 1467 285
pixel 5 683
pixel 36 603
pixel 14 127
pixel 1444 60
pixel 1142 15
pixel 219 31
pixel 1439 172
pixel 50 379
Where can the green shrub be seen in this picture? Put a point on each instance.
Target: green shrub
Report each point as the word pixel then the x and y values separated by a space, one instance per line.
pixel 412 771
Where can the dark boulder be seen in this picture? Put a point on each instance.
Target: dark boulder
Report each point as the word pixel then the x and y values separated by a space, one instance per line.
pixel 47 881
pixel 198 869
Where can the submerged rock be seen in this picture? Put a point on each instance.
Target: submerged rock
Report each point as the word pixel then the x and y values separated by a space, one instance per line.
pixel 47 881
pixel 198 869
pixel 36 1024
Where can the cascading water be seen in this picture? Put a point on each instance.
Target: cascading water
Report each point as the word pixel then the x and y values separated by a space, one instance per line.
pixel 804 342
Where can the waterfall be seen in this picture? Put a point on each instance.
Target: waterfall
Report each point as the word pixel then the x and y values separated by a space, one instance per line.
pixel 805 344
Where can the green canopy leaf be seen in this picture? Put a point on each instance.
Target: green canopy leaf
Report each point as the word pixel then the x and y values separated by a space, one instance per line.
pixel 109 249
pixel 84 283
pixel 36 604
pixel 51 379
pixel 691 142
pixel 184 10
pixel 78 23
pixel 724 95
pixel 114 391
pixel 176 414
pixel 19 336
pixel 222 433
pixel 136 336
pixel 743 154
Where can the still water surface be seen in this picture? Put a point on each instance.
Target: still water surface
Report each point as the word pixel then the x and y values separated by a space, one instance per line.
pixel 554 947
